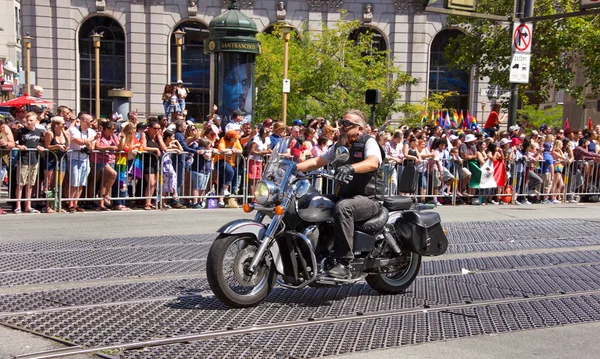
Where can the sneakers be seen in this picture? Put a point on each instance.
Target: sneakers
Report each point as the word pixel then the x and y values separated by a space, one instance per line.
pixel 493 202
pixel 339 271
pixel 556 201
pixel 436 203
pixel 177 205
pixel 225 193
pixel 232 203
pixel 547 201
pixel 221 204
pixel 196 205
pixel 572 201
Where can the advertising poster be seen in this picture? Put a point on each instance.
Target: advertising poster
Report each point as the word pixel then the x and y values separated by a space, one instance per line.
pixel 236 90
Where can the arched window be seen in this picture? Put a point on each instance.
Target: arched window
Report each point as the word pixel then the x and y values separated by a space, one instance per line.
pixel 443 80
pixel 377 40
pixel 112 63
pixel 195 68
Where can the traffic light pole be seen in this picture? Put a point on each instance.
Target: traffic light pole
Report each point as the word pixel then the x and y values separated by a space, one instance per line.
pixel 523 8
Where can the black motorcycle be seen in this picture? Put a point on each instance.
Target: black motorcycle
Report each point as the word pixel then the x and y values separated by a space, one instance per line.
pixel 295 248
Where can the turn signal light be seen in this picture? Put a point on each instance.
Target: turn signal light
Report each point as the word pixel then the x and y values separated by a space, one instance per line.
pixel 279 210
pixel 248 208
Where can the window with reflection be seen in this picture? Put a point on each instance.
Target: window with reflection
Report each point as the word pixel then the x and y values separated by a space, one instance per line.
pixel 195 68
pixel 441 79
pixel 112 63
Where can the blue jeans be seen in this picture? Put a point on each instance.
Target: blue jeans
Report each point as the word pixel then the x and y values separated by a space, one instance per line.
pixel 227 175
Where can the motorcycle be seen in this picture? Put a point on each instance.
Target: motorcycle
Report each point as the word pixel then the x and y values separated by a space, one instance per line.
pixel 294 249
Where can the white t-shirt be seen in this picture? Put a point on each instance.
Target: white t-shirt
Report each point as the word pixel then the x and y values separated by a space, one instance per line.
pixel 75 132
pixel 233 125
pixel 260 146
pixel 371 149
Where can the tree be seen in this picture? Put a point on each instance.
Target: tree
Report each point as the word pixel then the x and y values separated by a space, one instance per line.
pixel 559 48
pixel 329 74
pixel 533 117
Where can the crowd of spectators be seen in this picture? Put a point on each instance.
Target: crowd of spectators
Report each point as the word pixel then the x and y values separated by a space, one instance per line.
pixel 62 162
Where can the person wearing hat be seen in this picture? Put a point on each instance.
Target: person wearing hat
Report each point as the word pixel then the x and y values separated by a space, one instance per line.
pixel 277 134
pixel 514 131
pixel 182 93
pixel 228 149
pixel 268 123
pixel 298 122
pixel 360 182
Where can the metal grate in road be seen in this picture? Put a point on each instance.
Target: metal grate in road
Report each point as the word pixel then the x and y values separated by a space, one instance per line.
pixel 348 337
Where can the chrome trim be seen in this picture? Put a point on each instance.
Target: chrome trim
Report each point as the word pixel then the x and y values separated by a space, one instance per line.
pixel 240 226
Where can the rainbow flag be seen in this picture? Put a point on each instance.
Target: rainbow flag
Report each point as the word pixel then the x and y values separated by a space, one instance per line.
pixel 432 118
pixel 441 119
pixel 447 120
pixel 424 119
pixel 454 120
pixel 459 121
pixel 467 120
pixel 474 124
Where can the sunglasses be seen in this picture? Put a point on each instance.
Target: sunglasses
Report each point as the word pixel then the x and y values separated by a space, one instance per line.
pixel 346 123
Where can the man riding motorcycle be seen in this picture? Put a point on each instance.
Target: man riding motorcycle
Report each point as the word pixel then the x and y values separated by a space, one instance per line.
pixel 359 188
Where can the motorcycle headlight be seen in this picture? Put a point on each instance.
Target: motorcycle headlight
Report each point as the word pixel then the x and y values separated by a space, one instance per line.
pixel 265 192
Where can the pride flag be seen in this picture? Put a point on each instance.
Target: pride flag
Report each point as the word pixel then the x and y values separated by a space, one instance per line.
pixel 466 120
pixel 424 119
pixel 454 120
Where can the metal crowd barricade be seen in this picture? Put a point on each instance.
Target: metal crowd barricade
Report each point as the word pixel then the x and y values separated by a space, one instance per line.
pixel 135 177
pixel 18 172
pixel 179 167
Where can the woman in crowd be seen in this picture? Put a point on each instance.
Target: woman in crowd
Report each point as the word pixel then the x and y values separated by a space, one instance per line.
pixel 131 145
pixel 441 175
pixel 153 145
pixel 56 140
pixel 105 161
pixel 424 166
pixel 558 183
pixel 260 147
pixel 166 98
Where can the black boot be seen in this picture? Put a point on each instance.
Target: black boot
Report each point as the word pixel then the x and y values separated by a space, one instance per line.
pixel 339 270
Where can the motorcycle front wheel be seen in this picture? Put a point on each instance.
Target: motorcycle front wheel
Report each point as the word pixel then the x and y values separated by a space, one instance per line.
pixel 227 272
pixel 396 280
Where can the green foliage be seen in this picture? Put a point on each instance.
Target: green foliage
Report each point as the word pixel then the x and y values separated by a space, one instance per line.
pixel 560 48
pixel 531 116
pixel 329 74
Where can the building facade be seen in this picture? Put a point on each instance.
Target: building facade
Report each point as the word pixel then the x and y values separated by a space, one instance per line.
pixel 138 46
pixel 10 47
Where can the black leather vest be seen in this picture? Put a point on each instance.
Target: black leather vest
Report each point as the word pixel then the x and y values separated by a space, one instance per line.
pixel 369 184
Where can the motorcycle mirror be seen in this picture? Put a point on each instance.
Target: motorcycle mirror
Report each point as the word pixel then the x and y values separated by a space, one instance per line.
pixel 342 154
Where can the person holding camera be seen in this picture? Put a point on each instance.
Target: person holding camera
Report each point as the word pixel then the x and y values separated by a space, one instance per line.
pixel 83 138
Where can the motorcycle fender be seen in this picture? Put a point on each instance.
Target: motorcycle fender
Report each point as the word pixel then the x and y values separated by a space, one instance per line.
pixel 241 226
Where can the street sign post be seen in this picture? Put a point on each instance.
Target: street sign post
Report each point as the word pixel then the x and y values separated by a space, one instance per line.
pixel 519 68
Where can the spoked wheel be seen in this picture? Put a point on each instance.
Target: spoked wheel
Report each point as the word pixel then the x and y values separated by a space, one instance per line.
pixel 228 276
pixel 396 279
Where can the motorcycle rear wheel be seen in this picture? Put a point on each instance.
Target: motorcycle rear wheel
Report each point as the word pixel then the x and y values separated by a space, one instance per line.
pixel 227 272
pixel 396 282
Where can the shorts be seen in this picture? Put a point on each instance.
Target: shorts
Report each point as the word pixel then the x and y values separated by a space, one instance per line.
pixel 463 172
pixel 447 176
pixel 28 174
pixel 51 165
pixel 200 180
pixel 255 169
pixel 78 172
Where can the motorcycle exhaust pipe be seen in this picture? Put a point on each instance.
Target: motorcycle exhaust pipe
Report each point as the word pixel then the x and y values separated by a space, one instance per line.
pixel 389 238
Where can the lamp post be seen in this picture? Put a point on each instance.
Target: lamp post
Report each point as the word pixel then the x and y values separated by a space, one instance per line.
pixel 285 30
pixel 179 42
pixel 27 41
pixel 96 38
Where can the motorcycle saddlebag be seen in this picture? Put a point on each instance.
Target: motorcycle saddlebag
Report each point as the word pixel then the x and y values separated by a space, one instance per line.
pixel 421 233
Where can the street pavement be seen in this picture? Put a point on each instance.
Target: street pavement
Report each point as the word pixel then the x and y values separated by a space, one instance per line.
pixel 574 340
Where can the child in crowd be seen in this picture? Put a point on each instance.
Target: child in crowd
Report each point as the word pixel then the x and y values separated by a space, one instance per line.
pixel 201 171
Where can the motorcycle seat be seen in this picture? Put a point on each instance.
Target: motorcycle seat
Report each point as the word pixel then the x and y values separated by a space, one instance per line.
pixel 398 203
pixel 374 224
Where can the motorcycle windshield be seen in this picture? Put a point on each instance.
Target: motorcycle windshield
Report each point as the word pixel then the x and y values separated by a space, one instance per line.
pixel 279 163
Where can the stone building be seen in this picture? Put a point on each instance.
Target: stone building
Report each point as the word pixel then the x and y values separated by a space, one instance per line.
pixel 138 47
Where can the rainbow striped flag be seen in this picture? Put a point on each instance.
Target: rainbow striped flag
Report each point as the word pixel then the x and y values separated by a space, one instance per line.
pixel 424 119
